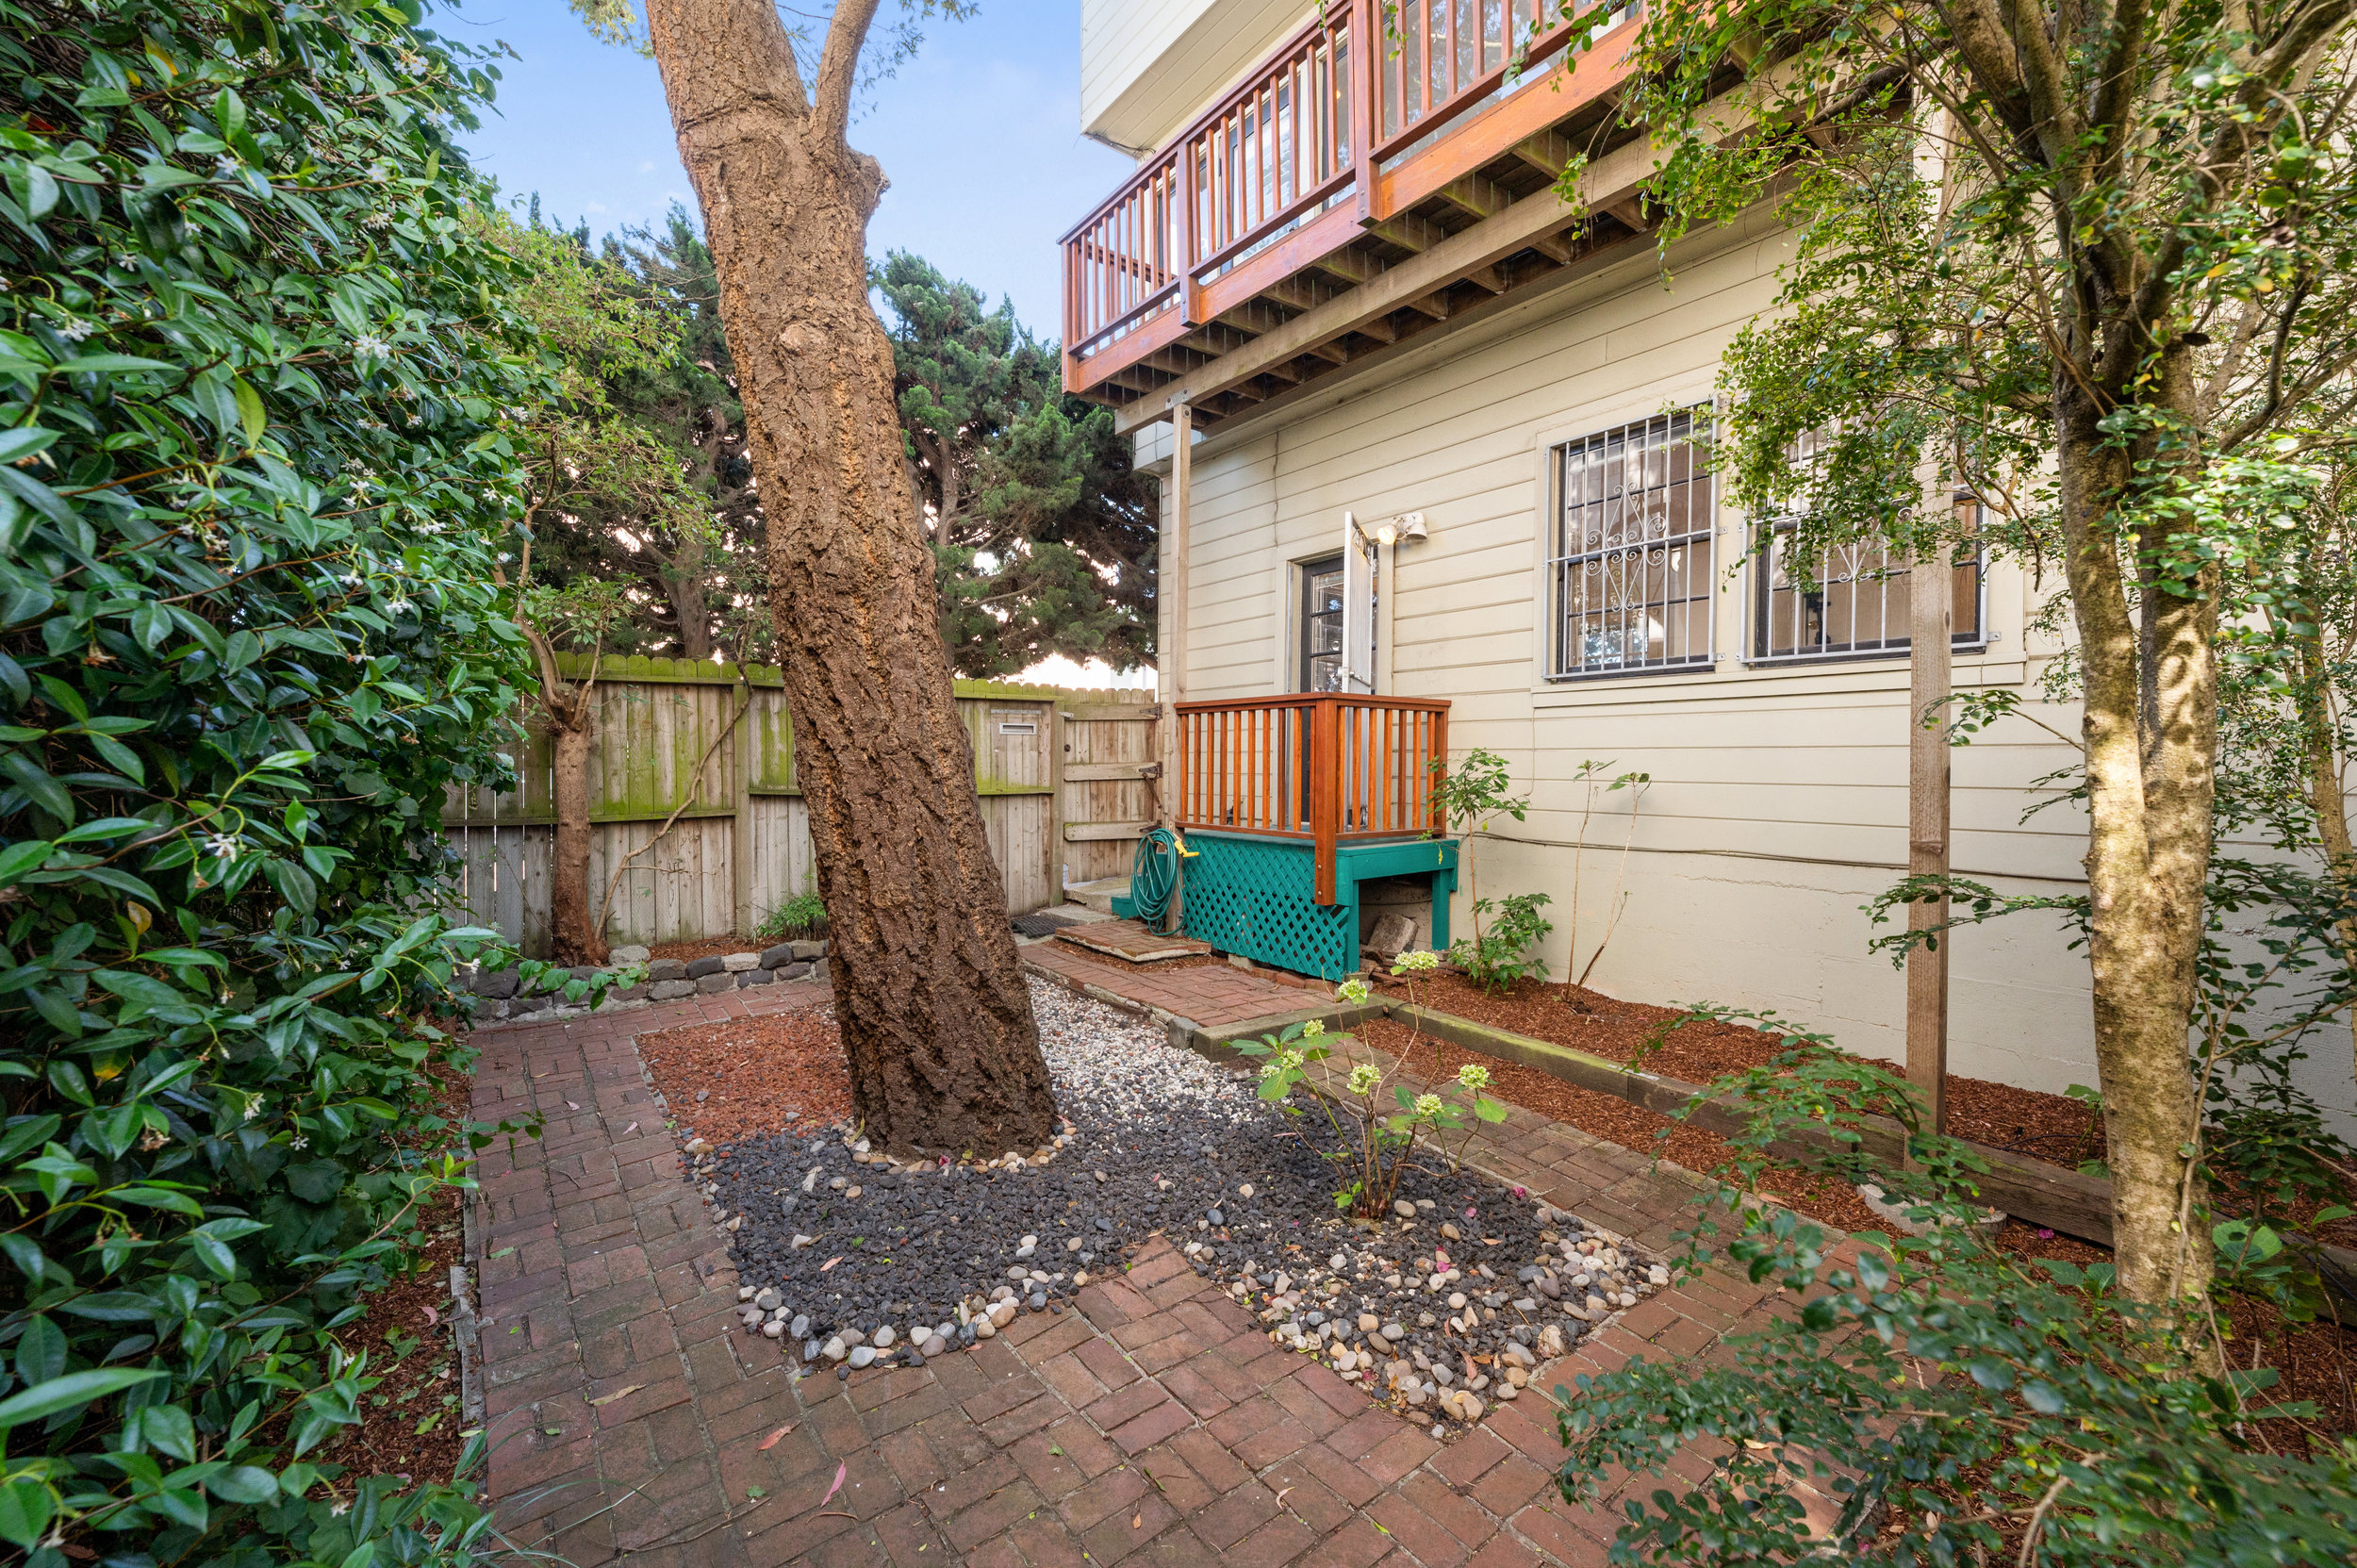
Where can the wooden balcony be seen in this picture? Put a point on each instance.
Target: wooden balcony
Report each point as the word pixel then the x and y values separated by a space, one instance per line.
pixel 1350 193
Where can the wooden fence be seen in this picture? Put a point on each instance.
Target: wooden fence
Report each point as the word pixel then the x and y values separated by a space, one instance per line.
pixel 742 846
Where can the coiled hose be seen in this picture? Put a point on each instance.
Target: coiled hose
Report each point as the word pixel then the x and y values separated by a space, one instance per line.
pixel 1155 876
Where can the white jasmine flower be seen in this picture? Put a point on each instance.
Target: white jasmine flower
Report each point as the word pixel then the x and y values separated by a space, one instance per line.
pixel 224 164
pixel 74 329
pixel 222 845
pixel 369 346
pixel 298 1141
pixel 399 606
pixel 254 1108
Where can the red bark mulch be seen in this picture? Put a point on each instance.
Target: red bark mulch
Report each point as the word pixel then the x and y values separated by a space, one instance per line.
pixel 752 1071
pixel 410 1422
pixel 2050 1127
pixel 707 946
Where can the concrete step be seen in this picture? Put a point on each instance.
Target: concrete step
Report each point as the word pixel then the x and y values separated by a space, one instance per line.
pixel 1097 894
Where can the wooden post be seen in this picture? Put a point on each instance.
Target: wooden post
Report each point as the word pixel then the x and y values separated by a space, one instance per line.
pixel 741 802
pixel 1326 768
pixel 1170 572
pixel 1931 619
pixel 1366 100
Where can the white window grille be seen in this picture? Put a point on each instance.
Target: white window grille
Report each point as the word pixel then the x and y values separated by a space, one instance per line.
pixel 1630 555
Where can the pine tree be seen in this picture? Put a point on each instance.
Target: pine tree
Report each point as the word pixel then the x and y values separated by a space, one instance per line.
pixel 1042 535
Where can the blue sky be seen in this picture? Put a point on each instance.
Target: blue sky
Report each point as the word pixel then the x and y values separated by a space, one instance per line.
pixel 980 136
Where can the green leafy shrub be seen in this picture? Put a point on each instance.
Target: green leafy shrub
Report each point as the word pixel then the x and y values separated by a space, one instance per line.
pixel 1955 1404
pixel 1372 1123
pixel 254 379
pixel 1509 950
pixel 804 915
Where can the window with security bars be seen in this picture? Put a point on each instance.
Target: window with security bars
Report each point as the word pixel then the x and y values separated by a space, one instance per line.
pixel 1631 547
pixel 1854 604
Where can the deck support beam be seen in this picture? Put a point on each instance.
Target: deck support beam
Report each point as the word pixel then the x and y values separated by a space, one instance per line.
pixel 1170 578
pixel 1931 621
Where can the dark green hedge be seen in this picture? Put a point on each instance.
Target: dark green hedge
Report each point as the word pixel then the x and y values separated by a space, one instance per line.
pixel 252 368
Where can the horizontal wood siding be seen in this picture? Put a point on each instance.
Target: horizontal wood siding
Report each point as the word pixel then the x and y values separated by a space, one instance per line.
pixel 1778 800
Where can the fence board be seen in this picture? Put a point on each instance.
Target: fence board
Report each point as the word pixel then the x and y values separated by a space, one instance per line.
pixel 1105 741
pixel 655 719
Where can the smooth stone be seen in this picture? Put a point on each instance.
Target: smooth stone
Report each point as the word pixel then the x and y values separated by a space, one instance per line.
pixel 1404 1209
pixel 985 1328
pixel 808 949
pixel 811 1350
pixel 1001 1313
pixel 1215 1216
pixel 699 968
pixel 863 1355
pixel 1394 1332
pixel 777 957
pixel 774 1331
pixel 934 1345
pixel 884 1336
pixel 801 1326
pixel 835 1350
pixel 736 964
pixel 628 954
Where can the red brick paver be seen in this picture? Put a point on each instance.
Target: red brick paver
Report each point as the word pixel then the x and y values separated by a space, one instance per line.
pixel 1155 1423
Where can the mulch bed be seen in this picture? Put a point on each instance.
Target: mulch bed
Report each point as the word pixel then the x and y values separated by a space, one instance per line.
pixel 753 1072
pixel 410 1423
pixel 1614 1119
pixel 2025 1121
pixel 708 946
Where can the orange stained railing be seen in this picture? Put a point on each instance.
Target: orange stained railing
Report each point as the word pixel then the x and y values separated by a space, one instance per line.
pixel 1327 768
pixel 1286 146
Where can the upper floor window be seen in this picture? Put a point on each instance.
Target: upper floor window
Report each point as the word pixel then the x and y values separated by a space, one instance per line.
pixel 1853 601
pixel 1629 558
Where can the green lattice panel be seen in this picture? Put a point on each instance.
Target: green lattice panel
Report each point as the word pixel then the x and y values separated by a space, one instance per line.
pixel 1258 897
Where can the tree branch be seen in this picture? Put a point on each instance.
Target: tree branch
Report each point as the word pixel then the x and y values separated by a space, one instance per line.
pixel 838 67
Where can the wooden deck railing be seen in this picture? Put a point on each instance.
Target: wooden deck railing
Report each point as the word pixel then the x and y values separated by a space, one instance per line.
pixel 1326 768
pixel 1289 143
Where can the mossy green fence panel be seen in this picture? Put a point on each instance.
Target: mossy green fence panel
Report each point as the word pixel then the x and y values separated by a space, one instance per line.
pixel 662 743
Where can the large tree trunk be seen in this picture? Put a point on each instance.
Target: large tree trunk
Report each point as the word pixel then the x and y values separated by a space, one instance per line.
pixel 2148 786
pixel 936 1020
pixel 574 930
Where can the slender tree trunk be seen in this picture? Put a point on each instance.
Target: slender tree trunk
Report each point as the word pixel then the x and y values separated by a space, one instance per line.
pixel 577 936
pixel 936 1019
pixel 2312 698
pixel 2148 856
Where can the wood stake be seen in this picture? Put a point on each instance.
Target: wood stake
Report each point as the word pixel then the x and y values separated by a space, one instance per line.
pixel 1930 617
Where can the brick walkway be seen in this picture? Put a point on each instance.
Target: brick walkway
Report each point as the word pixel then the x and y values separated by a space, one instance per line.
pixel 1156 1423
pixel 1215 995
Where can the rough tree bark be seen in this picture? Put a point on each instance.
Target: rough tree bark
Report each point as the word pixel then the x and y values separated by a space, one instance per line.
pixel 571 714
pixel 936 1020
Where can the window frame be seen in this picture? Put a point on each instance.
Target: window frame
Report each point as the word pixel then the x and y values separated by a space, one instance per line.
pixel 1698 421
pixel 1306 573
pixel 1758 617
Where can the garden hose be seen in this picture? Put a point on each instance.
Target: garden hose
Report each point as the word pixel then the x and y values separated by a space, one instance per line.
pixel 1154 877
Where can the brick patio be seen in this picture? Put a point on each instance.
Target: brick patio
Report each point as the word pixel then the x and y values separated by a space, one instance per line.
pixel 1155 1423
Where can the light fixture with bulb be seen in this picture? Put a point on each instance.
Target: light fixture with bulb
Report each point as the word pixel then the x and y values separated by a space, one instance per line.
pixel 1408 525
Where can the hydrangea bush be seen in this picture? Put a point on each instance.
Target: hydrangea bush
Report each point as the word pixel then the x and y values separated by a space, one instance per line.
pixel 254 378
pixel 1372 1135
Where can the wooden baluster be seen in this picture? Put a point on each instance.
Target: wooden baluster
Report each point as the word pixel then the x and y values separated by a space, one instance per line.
pixel 1325 770
pixel 1440 752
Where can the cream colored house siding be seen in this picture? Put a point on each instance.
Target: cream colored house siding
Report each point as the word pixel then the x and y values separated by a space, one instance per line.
pixel 1147 67
pixel 1778 802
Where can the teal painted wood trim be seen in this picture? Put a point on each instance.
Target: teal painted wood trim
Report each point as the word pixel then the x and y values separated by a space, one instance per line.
pixel 1397 857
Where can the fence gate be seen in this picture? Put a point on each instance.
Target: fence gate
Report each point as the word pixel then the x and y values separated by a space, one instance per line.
pixel 1109 780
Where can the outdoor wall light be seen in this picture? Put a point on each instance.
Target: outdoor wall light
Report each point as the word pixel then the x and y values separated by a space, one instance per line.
pixel 1408 525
